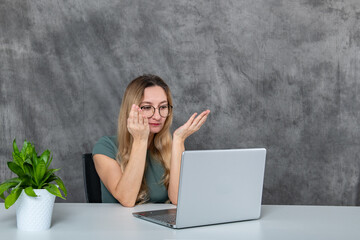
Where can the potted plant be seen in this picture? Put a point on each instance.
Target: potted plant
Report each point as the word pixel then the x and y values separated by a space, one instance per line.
pixel 33 189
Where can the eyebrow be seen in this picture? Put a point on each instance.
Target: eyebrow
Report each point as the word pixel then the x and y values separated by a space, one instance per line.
pixel 151 102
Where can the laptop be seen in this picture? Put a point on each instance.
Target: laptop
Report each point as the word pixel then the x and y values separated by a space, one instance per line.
pixel 216 186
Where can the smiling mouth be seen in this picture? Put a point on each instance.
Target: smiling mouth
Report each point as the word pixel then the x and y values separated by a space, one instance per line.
pixel 154 124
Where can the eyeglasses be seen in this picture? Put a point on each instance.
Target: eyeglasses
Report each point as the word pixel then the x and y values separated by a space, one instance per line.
pixel 149 110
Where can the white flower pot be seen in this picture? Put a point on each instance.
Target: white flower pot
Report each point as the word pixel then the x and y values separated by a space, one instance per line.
pixel 34 213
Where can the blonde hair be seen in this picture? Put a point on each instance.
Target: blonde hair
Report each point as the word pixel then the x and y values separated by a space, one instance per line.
pixel 160 147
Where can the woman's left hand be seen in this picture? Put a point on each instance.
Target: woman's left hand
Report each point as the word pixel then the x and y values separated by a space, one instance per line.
pixel 191 126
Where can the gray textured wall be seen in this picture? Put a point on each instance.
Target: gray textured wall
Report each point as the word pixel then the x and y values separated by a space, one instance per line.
pixel 276 74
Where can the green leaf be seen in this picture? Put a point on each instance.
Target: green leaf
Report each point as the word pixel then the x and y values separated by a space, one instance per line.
pixel 26 182
pixel 19 184
pixel 29 151
pixel 35 159
pixel 51 178
pixel 33 183
pixel 45 156
pixel 16 179
pixel 24 147
pixel 9 184
pixel 15 148
pixel 17 159
pixel 40 172
pixel 30 192
pixel 28 160
pixel 47 175
pixel 53 189
pixel 2 196
pixel 61 185
pixel 16 169
pixel 49 162
pixel 11 199
pixel 28 169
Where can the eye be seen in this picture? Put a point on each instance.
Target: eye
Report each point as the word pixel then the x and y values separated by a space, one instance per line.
pixel 163 107
pixel 146 108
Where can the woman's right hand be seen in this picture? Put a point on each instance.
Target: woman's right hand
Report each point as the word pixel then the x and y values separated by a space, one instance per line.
pixel 137 124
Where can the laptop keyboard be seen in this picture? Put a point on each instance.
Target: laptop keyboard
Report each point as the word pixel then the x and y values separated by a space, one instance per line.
pixel 168 218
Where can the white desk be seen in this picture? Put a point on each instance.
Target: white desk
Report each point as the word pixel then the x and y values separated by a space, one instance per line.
pixel 111 221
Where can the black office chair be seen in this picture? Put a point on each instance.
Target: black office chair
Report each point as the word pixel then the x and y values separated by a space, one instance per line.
pixel 91 180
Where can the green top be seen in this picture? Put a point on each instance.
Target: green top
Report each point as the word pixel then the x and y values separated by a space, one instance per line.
pixel 154 172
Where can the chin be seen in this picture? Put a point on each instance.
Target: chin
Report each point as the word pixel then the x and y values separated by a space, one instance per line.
pixel 155 129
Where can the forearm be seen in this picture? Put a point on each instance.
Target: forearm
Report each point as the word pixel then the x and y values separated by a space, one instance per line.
pixel 129 184
pixel 177 149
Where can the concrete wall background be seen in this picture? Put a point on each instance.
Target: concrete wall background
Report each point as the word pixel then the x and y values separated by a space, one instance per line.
pixel 277 74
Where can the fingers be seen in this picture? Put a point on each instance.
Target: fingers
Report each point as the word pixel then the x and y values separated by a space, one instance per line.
pixel 200 120
pixel 191 120
pixel 143 120
pixel 192 125
pixel 141 117
pixel 135 115
pixel 137 123
pixel 146 121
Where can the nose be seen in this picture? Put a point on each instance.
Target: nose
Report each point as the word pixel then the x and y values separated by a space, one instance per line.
pixel 156 115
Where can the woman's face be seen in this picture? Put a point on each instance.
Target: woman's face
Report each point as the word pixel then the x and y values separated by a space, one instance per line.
pixel 154 96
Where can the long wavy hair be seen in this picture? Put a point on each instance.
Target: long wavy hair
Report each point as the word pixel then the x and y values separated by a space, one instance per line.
pixel 160 147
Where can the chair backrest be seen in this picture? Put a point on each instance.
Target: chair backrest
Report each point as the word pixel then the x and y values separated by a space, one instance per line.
pixel 91 180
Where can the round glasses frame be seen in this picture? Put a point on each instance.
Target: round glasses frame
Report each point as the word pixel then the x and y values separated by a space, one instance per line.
pixel 158 108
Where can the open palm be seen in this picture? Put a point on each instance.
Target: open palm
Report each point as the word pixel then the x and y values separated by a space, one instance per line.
pixel 192 125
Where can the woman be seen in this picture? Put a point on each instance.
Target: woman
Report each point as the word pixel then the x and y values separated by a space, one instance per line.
pixel 147 158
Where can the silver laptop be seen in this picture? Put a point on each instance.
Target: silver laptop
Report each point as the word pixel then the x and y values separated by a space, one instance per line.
pixel 216 186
